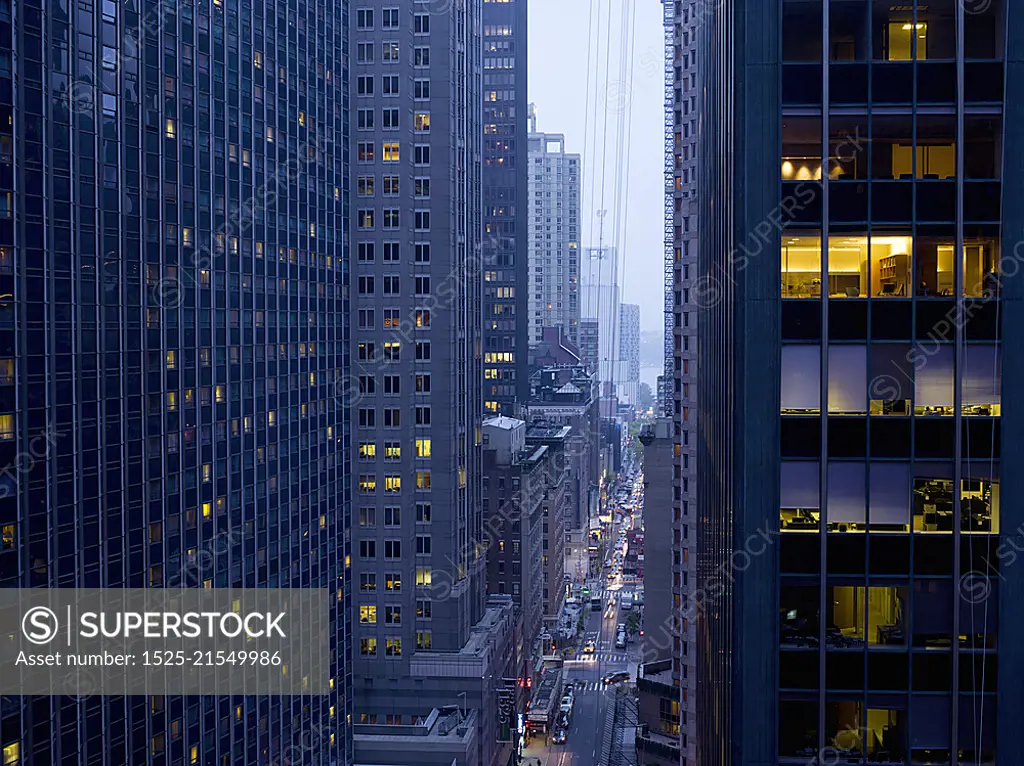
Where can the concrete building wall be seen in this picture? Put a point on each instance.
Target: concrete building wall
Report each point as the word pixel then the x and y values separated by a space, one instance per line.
pixel 416 222
pixel 687 297
pixel 659 543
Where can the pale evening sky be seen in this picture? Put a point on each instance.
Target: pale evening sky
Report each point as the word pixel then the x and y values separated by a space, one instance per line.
pixel 573 102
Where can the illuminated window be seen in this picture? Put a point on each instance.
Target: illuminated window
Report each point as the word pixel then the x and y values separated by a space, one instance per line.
pixel 423 480
pixel 367 451
pixel 169 129
pixel 368 647
pixel 393 647
pixel 392 483
pixel 423 448
pixel 368 615
pixel 7 428
pixel 903 35
pixel 392 451
pixel 393 581
pixel 421 122
pixel 391 151
pixel 423 577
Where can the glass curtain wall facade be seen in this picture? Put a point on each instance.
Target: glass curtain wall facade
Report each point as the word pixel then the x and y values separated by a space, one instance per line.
pixel 505 253
pixel 891 162
pixel 891 204
pixel 172 334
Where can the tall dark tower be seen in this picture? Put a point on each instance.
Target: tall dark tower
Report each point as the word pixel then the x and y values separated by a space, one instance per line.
pixel 505 207
pixel 173 287
pixel 858 205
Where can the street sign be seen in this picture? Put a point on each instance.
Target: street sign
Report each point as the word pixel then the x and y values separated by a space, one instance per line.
pixel 506 709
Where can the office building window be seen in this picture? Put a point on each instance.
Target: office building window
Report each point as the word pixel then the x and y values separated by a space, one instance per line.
pixel 800 496
pixel 801 379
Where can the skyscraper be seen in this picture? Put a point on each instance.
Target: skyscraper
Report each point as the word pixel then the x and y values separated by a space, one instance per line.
pixel 850 417
pixel 554 235
pixel 418 548
pixel 172 228
pixel 505 251
pixel 628 383
pixel 682 306
pixel 599 301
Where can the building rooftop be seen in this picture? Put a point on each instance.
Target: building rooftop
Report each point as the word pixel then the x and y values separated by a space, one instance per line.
pixel 547 431
pixel 503 422
pixel 446 735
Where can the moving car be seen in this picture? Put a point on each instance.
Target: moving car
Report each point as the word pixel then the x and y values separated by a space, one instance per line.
pixel 616 677
pixel 589 648
pixel 620 641
pixel 559 736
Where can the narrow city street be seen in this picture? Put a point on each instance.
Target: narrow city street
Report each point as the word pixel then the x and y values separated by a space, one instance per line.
pixel 585 671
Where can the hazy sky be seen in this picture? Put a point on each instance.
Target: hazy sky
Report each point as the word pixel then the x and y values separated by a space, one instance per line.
pixel 577 103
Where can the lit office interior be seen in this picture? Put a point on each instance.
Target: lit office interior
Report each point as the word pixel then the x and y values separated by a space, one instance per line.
pixel 894 265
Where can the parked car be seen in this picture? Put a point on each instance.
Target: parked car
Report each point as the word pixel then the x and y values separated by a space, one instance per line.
pixel 620 641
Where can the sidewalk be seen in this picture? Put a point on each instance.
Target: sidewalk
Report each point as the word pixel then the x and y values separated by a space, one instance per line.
pixel 539 753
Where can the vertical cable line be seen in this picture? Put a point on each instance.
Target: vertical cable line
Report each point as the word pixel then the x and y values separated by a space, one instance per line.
pixel 586 113
pixel 621 175
pixel 601 211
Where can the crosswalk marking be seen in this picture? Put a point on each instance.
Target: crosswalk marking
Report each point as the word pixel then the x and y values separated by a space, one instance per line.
pixel 602 657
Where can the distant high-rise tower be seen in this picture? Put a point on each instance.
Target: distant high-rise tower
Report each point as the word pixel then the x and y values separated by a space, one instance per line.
pixel 627 384
pixel 173 272
pixel 554 235
pixel 600 299
pixel 506 207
